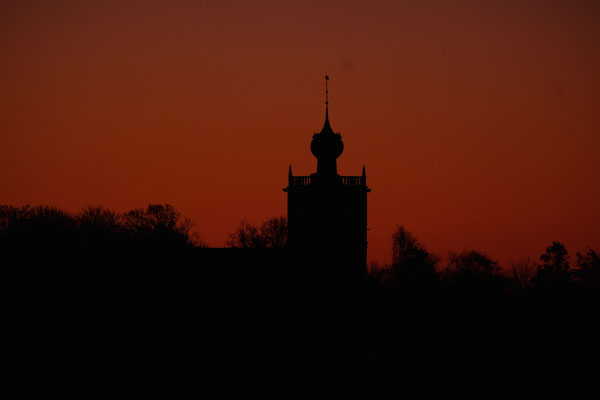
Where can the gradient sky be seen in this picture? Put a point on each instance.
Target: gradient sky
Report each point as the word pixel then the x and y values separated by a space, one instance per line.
pixel 478 121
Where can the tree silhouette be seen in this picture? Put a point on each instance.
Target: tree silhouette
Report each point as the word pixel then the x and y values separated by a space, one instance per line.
pixel 51 230
pixel 522 272
pixel 271 234
pixel 472 273
pixel 36 227
pixel 472 263
pixel 413 267
pixel 245 236
pixel 554 272
pixel 99 219
pixel 274 232
pixel 588 270
pixel 99 228
pixel 159 224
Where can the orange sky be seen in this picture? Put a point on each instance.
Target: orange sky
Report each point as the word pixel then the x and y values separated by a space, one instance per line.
pixel 478 121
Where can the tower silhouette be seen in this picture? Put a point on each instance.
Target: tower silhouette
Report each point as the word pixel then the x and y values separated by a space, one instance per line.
pixel 327 212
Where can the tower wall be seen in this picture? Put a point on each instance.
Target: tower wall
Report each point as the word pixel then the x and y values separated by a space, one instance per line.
pixel 327 225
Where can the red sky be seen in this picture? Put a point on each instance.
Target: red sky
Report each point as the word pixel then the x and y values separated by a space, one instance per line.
pixel 478 121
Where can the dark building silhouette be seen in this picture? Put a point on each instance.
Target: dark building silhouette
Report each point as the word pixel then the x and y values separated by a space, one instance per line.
pixel 327 212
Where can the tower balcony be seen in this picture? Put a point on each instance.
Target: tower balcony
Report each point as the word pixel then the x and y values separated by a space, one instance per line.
pixel 351 181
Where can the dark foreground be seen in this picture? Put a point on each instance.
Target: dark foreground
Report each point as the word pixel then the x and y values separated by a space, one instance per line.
pixel 202 312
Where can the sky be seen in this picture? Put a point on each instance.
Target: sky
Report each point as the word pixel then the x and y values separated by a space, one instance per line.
pixel 478 122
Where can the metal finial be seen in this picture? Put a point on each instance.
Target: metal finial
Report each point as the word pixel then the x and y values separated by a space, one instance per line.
pixel 326 95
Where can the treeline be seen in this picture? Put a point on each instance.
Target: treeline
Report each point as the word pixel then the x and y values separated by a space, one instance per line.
pixel 416 271
pixel 51 230
pixel 256 300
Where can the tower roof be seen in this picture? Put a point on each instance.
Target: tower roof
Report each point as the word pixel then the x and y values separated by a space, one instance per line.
pixel 327 145
pixel 327 126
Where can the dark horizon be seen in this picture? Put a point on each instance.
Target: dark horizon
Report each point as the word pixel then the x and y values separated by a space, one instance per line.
pixel 133 293
pixel 477 121
pixel 30 229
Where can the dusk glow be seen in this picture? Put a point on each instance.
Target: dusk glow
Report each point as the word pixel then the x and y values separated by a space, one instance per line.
pixel 478 121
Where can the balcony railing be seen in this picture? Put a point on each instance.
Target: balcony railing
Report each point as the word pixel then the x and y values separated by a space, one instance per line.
pixel 346 180
pixel 353 180
pixel 300 181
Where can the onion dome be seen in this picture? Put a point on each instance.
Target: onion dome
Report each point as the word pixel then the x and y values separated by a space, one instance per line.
pixel 326 145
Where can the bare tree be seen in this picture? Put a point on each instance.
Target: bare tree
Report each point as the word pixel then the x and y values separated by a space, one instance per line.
pixel 159 222
pixel 245 236
pixel 522 272
pixel 272 233
pixel 98 218
pixel 412 267
pixel 378 273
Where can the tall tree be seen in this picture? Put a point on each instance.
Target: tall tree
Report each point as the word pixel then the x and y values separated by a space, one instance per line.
pixel 554 272
pixel 413 267
pixel 588 270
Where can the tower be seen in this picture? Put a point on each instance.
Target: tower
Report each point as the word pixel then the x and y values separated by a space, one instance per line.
pixel 327 212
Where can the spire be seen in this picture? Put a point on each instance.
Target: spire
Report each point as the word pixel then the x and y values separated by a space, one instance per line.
pixel 327 126
pixel 326 98
pixel 290 171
